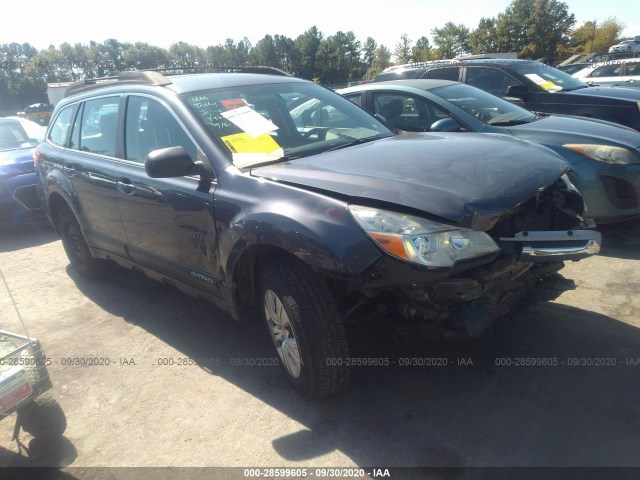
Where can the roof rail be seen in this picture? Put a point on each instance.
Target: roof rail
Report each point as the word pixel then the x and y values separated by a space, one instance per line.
pixel 189 69
pixel 138 77
pixel 156 76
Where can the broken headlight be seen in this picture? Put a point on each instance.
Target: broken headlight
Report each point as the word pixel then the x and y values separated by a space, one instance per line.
pixel 422 241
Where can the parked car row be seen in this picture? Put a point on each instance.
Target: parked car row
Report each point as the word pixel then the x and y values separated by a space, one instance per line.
pixel 619 72
pixel 604 157
pixel 626 46
pixel 532 85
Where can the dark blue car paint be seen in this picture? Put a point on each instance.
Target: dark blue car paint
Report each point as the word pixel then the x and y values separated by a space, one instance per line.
pixel 17 172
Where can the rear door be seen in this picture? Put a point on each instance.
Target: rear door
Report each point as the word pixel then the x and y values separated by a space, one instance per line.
pixel 168 221
pixel 89 163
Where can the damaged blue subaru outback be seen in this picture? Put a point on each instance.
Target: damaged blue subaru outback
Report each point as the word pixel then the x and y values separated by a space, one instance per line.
pixel 275 197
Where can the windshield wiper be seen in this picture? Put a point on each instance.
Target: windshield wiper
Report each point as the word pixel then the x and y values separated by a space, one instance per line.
pixel 357 141
pixel 576 88
pixel 509 123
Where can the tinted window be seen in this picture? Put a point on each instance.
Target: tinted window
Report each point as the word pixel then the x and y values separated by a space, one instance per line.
pixel 484 106
pixel 450 73
pixel 98 126
pixel 407 112
pixel 12 136
pixel 355 98
pixel 60 127
pixel 150 126
pixel 490 80
pixel 612 70
pixel 632 68
pixel 399 73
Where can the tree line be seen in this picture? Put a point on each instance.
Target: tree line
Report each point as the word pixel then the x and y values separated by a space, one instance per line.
pixel 532 28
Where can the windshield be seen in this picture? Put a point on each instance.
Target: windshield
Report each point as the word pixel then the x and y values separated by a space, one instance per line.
pixel 490 109
pixel 262 123
pixel 13 136
pixel 548 78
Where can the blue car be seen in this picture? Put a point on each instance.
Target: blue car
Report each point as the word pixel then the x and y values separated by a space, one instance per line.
pixel 604 156
pixel 18 196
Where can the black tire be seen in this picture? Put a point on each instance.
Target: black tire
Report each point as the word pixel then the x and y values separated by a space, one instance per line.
pixel 76 246
pixel 43 417
pixel 315 324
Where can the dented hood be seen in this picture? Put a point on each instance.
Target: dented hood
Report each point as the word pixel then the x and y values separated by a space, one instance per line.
pixel 465 178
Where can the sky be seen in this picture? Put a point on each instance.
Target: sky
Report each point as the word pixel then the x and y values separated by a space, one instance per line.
pixel 206 24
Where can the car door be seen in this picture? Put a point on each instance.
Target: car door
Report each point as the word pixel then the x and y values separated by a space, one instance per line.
pixel 608 73
pixel 169 222
pixel 496 82
pixel 89 164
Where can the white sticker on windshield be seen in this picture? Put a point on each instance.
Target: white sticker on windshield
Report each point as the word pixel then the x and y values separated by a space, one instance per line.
pixel 546 84
pixel 535 78
pixel 249 121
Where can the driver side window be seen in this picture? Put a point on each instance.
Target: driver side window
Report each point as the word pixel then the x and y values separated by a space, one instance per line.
pixel 150 126
pixel 406 112
pixel 490 80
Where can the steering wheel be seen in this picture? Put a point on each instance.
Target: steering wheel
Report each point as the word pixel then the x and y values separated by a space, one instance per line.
pixel 482 113
pixel 320 131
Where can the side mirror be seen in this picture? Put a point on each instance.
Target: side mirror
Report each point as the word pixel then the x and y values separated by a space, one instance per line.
pixel 518 91
pixel 445 125
pixel 169 162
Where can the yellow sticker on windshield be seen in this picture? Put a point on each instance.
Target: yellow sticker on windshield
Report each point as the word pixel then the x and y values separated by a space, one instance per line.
pixel 542 82
pixel 548 85
pixel 248 150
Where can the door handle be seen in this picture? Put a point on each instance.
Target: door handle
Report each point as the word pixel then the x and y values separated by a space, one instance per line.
pixel 125 186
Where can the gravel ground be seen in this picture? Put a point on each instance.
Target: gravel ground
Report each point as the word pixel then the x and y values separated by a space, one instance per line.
pixel 204 410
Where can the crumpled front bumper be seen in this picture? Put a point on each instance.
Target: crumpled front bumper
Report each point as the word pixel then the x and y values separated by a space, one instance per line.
pixel 552 246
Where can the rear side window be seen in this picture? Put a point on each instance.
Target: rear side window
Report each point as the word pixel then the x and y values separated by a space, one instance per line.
pixel 98 126
pixel 150 126
pixel 355 98
pixel 60 127
pixel 450 73
pixel 12 136
pixel 611 70
pixel 632 68
pixel 490 80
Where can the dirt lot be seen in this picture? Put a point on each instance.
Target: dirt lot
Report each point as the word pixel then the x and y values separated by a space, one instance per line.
pixel 204 410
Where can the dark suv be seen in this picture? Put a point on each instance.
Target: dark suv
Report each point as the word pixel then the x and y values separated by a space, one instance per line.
pixel 532 85
pixel 271 194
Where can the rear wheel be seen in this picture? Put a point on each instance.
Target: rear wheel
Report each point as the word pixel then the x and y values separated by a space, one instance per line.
pixel 76 246
pixel 306 329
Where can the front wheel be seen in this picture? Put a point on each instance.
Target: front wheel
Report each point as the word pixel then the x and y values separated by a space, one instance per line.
pixel 306 328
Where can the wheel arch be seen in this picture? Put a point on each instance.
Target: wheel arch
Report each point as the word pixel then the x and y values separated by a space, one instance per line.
pixel 246 273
